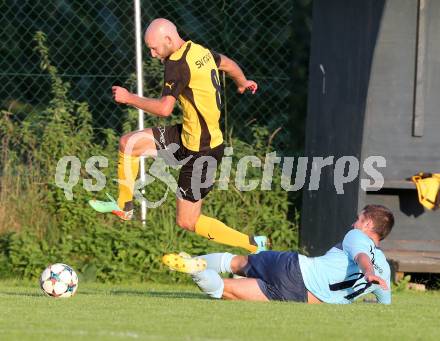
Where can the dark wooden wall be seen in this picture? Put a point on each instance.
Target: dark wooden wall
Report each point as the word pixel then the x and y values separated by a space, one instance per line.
pixel 381 97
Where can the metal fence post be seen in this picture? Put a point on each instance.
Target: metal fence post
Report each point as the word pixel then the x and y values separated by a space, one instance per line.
pixel 140 92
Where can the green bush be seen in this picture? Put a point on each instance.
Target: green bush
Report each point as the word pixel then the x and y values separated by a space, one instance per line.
pixel 43 227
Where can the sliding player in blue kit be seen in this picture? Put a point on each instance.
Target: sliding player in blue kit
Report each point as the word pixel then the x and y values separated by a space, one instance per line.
pixel 349 270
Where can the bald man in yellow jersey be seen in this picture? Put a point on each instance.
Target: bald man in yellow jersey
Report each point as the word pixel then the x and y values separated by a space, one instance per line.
pixel 192 77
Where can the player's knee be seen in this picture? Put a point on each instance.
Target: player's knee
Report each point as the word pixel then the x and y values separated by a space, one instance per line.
pixel 123 142
pixel 238 263
pixel 186 223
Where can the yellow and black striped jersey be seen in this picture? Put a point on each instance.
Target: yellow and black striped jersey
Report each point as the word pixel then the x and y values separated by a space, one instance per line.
pixel 191 76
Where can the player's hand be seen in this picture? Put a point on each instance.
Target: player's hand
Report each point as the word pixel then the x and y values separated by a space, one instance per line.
pixel 248 85
pixel 121 95
pixel 372 278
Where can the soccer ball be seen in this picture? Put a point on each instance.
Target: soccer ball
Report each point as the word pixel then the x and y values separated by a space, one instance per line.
pixel 59 280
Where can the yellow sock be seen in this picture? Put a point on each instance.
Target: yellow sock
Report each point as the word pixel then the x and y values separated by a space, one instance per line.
pixel 128 168
pixel 215 230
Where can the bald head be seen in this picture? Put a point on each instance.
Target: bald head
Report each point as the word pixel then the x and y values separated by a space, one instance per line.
pixel 162 38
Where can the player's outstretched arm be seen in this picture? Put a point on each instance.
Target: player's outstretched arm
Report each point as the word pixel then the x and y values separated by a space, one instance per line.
pixel 234 71
pixel 367 268
pixel 162 107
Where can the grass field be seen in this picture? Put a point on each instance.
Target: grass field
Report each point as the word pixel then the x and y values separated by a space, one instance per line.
pixel 180 312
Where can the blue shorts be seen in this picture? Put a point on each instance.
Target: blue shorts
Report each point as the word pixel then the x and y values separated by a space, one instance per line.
pixel 278 275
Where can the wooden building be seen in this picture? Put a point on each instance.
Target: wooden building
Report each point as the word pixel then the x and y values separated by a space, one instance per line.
pixel 374 89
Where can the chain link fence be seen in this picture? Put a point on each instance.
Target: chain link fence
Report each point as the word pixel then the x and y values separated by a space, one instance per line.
pixel 92 45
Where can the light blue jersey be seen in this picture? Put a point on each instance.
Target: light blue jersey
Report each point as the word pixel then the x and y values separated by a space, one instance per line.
pixel 336 278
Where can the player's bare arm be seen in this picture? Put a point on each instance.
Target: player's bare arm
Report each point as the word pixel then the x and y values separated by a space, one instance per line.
pixel 161 107
pixel 234 71
pixel 367 268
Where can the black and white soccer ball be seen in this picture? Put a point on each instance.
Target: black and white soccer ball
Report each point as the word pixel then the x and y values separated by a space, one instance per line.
pixel 59 281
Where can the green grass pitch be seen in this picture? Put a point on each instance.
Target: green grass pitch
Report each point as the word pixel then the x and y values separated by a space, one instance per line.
pixel 181 312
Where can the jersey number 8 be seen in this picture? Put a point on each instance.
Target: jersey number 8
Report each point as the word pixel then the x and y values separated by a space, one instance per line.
pixel 217 87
